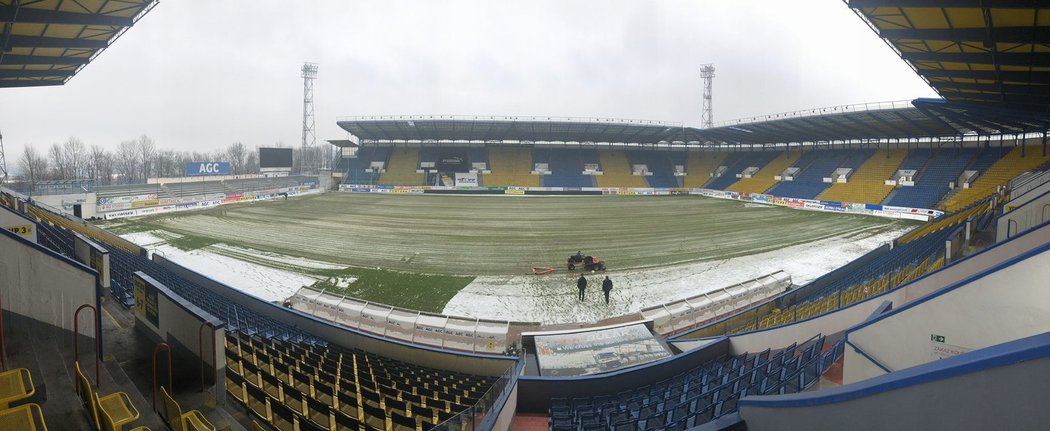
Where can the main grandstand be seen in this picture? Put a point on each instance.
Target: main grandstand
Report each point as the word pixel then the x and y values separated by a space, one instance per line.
pixel 944 328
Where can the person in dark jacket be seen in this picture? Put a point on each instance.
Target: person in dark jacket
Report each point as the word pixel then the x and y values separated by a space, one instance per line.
pixel 607 287
pixel 582 285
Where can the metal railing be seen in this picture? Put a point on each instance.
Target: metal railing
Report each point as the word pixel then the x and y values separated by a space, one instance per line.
pixel 841 109
pixel 482 415
pixel 515 118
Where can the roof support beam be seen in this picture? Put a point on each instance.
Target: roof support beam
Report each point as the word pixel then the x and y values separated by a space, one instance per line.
pixel 23 83
pixel 55 42
pixel 41 59
pixel 1003 4
pixel 14 73
pixel 1006 75
pixel 979 34
pixel 41 16
pixel 1037 59
pixel 1034 90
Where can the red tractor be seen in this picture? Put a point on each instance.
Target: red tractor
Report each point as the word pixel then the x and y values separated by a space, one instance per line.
pixel 589 263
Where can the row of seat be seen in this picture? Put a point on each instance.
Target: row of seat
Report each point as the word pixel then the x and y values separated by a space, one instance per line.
pixel 699 395
pixel 288 385
pixel 903 263
pixel 16 385
pixel 106 412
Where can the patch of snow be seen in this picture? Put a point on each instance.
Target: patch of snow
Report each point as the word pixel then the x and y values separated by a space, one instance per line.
pixel 144 239
pixel 279 258
pixel 552 299
pixel 268 284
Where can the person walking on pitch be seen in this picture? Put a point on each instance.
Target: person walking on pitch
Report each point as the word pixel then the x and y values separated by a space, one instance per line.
pixel 582 285
pixel 607 287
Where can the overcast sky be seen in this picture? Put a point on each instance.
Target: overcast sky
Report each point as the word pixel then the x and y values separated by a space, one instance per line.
pixel 197 75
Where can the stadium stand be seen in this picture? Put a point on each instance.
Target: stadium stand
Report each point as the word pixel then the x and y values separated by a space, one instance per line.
pixel 1000 173
pixel 659 164
pixel 243 185
pixel 290 379
pixel 354 168
pixel 765 177
pixel 809 182
pixel 401 171
pixel 919 252
pixel 940 168
pixel 700 165
pixel 616 171
pixel 701 394
pixel 287 384
pixel 566 167
pixel 868 182
pixel 736 163
pixel 510 167
pixel 118 190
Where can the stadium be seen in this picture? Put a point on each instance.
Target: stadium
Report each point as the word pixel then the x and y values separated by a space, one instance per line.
pixel 871 266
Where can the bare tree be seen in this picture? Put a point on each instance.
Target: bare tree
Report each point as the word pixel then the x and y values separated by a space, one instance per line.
pixel 127 161
pixel 251 162
pixel 33 165
pixel 58 161
pixel 235 153
pixel 74 156
pixel 147 150
pixel 101 165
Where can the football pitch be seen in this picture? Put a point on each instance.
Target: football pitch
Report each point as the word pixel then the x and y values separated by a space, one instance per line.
pixel 431 246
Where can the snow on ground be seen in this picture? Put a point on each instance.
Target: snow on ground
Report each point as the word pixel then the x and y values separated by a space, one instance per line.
pixel 268 284
pixel 282 259
pixel 552 298
pixel 144 239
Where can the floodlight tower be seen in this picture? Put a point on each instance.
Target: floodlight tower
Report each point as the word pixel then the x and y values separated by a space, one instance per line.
pixel 309 138
pixel 707 71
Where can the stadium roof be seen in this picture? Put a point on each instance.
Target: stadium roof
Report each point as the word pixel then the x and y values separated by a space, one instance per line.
pixel 46 42
pixel 872 121
pixel 993 53
pixel 535 129
pixel 887 121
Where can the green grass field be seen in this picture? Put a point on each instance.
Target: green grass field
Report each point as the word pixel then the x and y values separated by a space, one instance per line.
pixel 432 246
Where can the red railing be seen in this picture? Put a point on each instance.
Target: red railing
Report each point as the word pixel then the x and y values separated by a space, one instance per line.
pixel 153 393
pixel 98 339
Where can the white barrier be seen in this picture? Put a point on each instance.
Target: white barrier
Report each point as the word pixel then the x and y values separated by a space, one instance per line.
pixel 211 201
pixel 687 313
pixel 921 214
pixel 459 333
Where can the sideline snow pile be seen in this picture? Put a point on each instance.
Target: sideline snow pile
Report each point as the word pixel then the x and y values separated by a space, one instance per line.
pixel 268 284
pixel 552 299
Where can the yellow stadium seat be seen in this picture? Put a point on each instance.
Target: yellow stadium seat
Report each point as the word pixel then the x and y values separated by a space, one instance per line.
pixel 700 165
pixel 401 170
pixel 868 183
pixel 510 167
pixel 616 170
pixel 765 177
pixel 999 174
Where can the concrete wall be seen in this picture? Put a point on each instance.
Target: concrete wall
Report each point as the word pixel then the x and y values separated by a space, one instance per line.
pixel 18 224
pixel 1030 211
pixel 536 391
pixel 43 285
pixel 1004 303
pixel 845 317
pixel 998 388
pixel 179 325
pixel 488 365
pixel 87 201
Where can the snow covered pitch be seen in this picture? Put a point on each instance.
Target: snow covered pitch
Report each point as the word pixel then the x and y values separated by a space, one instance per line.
pixel 657 248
